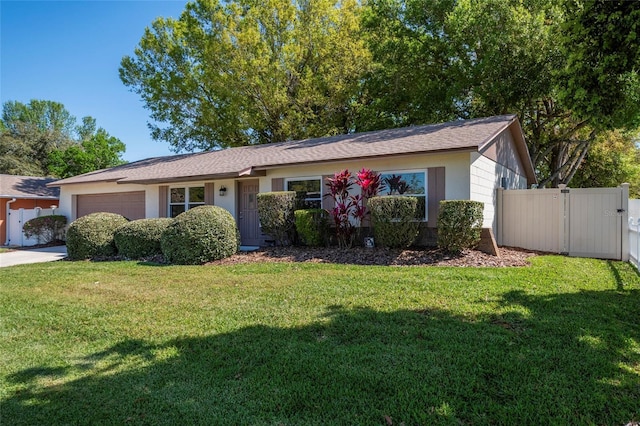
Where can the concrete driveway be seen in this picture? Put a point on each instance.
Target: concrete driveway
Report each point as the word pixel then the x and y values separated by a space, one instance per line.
pixel 22 256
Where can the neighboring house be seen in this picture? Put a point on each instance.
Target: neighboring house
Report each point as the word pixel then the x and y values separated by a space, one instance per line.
pixel 465 159
pixel 25 195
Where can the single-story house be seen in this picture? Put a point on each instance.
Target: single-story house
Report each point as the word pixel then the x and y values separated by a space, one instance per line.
pixel 465 159
pixel 20 194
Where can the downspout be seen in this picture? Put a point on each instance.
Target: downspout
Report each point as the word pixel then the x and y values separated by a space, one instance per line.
pixel 8 227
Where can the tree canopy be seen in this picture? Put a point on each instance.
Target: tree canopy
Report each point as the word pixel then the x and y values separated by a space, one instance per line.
pixel 545 60
pixel 247 71
pixel 238 72
pixel 41 138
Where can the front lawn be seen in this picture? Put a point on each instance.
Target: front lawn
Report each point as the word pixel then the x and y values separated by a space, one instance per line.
pixel 310 344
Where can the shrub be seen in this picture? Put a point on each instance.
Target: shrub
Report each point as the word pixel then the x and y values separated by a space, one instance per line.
pixel 200 235
pixel 92 235
pixel 276 215
pixel 394 220
pixel 459 225
pixel 45 228
pixel 141 238
pixel 311 226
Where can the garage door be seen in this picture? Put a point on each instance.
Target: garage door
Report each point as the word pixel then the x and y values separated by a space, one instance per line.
pixel 128 204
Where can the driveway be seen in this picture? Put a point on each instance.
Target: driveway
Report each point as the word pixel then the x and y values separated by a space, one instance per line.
pixel 22 256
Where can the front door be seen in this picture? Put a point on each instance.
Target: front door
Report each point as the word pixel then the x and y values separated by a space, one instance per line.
pixel 248 222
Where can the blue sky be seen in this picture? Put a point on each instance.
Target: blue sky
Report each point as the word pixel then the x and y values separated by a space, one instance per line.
pixel 70 51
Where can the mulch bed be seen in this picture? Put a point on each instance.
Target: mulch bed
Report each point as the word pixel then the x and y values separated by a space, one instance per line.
pixel 381 257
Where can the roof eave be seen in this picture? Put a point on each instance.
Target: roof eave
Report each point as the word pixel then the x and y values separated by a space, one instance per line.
pixel 214 176
pixel 30 197
pixel 368 157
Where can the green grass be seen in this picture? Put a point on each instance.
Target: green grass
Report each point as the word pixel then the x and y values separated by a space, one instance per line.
pixel 307 344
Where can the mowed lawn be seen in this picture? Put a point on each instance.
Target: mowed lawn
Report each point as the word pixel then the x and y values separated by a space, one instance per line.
pixel 309 344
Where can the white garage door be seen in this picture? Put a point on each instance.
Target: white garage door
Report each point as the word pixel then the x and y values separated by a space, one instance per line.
pixel 128 204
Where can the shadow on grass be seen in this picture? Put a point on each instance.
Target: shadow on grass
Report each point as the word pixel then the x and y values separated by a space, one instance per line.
pixel 560 359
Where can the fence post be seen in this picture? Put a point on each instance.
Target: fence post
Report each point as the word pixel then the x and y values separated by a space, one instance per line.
pixel 624 211
pixel 500 215
pixel 564 210
pixel 635 260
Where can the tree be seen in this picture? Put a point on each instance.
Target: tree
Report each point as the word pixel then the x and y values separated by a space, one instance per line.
pixel 510 57
pixel 602 49
pixel 98 152
pixel 37 139
pixel 34 130
pixel 613 159
pixel 247 72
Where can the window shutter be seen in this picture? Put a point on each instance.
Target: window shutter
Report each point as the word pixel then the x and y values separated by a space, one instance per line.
pixel 327 202
pixel 435 193
pixel 209 193
pixel 277 184
pixel 163 203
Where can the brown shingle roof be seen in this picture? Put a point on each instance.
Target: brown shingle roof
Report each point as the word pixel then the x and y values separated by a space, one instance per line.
pixel 27 187
pixel 455 135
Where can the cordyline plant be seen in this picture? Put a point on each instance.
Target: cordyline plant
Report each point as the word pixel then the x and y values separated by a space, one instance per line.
pixel 346 206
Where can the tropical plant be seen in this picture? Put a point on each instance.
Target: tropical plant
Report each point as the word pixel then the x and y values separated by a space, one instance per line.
pixel 347 206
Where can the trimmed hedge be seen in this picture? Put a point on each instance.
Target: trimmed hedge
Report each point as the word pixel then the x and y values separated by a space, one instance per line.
pixel 276 215
pixel 141 238
pixel 92 235
pixel 312 226
pixel 459 224
pixel 394 220
pixel 200 235
pixel 45 228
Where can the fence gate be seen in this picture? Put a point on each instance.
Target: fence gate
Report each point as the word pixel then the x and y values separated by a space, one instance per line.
pixel 578 222
pixel 595 223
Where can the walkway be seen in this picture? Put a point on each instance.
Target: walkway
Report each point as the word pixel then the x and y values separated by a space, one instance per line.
pixel 23 256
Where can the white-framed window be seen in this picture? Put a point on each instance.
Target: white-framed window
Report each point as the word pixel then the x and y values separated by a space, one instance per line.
pixel 308 191
pixel 185 198
pixel 412 183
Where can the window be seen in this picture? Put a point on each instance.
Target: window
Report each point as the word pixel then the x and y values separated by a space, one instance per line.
pixel 308 192
pixel 183 199
pixel 413 184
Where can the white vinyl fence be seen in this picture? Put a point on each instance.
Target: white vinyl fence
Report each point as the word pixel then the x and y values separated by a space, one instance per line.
pixel 634 232
pixel 17 219
pixel 585 222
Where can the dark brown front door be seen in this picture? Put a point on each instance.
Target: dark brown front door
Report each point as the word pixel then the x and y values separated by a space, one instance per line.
pixel 248 222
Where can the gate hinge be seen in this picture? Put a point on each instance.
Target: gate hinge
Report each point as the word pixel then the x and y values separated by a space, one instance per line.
pixel 621 210
pixel 564 191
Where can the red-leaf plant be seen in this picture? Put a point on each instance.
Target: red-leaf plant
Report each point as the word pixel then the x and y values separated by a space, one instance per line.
pixel 348 206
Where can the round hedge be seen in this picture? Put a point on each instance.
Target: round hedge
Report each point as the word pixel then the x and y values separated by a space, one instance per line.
pixel 141 238
pixel 92 235
pixel 200 235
